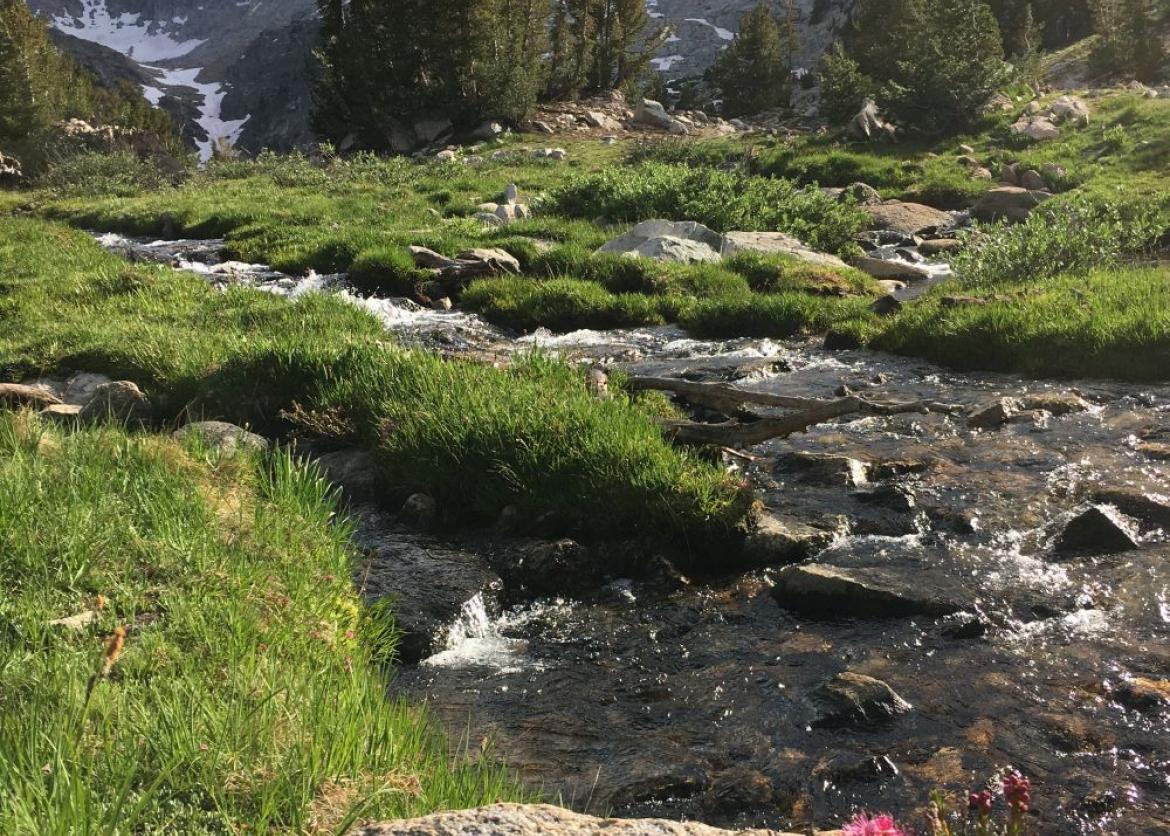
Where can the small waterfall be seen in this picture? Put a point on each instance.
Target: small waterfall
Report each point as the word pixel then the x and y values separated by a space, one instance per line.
pixel 475 640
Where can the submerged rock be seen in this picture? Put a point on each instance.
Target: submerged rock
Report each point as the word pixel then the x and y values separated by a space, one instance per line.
pixel 427 581
pixel 557 567
pixel 1144 694
pixel 822 591
pixel 420 511
pixel 994 414
pixel 538 819
pixel 853 699
pixel 1098 529
pixel 775 542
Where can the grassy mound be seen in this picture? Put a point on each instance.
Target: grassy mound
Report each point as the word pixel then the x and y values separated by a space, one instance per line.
pixel 247 693
pixel 476 437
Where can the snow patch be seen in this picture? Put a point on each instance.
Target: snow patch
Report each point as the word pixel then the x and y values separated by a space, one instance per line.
pixel 127 33
pixel 725 34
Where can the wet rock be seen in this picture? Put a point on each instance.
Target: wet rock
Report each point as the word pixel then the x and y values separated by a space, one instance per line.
pixel 892 497
pixel 1152 510
pixel 1142 694
pixel 775 542
pixel 853 699
pixel 777 243
pixel 736 791
pixel 880 268
pixel 1056 403
pixel 222 437
pixel 1098 529
pixel 847 768
pixel 357 472
pixel 963 625
pixel 1008 203
pixel 559 567
pixel 420 511
pixel 823 591
pixel 19 394
pixel 538 820
pixel 426 580
pixel 995 414
pixel 842 341
pixel 660 782
pixel 120 400
pixel 1154 450
pixel 824 468
pixel 908 218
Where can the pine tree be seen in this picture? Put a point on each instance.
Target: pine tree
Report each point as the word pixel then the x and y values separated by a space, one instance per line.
pixel 930 65
pixel 753 72
pixel 1129 38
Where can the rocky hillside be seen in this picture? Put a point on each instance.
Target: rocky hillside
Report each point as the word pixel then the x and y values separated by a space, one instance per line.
pixel 239 68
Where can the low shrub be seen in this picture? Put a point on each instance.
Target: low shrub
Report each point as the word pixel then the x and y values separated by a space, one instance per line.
pixel 1070 236
pixel 118 174
pixel 723 200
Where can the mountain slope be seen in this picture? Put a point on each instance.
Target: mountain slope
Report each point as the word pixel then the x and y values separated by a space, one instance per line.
pixel 239 69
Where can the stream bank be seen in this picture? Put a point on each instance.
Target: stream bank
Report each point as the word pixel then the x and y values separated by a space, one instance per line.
pixel 717 698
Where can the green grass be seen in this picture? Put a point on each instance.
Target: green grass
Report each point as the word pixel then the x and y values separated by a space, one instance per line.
pixel 476 437
pixel 251 693
pixel 1111 322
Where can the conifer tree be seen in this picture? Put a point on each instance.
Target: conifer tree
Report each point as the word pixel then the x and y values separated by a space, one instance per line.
pixel 753 72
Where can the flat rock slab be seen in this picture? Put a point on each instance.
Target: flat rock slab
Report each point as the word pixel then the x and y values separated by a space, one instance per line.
pixel 533 819
pixel 669 241
pixel 19 394
pixel 819 590
pixel 778 243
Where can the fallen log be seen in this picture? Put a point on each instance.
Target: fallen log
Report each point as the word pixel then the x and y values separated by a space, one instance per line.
pixel 720 397
pixel 749 434
pixel 18 394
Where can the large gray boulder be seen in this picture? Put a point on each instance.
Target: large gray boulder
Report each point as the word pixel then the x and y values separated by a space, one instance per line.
pixel 541 820
pixel 653 114
pixel 1008 203
pixel 824 591
pixel 119 400
pixel 907 218
pixel 678 241
pixel 854 699
pixel 777 243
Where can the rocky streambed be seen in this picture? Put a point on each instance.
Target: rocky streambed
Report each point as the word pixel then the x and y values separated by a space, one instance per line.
pixel 939 597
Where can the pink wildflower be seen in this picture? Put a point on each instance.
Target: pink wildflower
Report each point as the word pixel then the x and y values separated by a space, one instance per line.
pixel 880 825
pixel 1017 790
pixel 980 802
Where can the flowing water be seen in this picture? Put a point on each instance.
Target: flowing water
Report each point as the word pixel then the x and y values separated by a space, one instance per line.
pixel 690 698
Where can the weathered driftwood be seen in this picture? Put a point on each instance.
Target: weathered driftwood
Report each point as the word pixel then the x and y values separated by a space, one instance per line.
pixel 18 394
pixel 730 400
